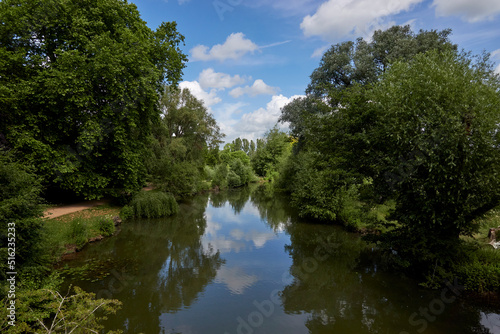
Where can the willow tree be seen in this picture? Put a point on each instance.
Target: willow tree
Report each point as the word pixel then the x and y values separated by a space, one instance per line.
pixel 79 85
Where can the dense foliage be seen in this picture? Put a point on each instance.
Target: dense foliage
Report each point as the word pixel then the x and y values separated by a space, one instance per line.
pixel 414 134
pixel 150 204
pixel 79 86
pixel 21 211
pixel 182 140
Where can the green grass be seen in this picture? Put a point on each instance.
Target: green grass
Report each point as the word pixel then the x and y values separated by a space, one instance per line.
pixel 63 236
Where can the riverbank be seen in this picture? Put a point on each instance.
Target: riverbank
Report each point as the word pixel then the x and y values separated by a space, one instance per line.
pixel 67 233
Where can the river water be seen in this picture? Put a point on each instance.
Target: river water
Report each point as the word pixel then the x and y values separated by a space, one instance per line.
pixel 242 261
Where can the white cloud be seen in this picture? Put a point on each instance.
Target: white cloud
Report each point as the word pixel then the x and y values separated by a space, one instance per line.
pixel 253 125
pixel 235 279
pixel 208 78
pixel 235 47
pixel 259 87
pixel 335 19
pixel 495 55
pixel 471 11
pixel 209 98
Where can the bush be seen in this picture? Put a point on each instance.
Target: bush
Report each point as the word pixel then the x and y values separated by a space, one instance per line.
pixel 482 272
pixel 106 226
pixel 127 212
pixel 233 180
pixel 40 306
pixel 152 204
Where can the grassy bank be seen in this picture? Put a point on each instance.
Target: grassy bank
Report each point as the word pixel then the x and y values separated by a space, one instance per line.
pixel 71 232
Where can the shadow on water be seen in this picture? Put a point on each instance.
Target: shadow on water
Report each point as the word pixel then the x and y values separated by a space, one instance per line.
pixel 212 267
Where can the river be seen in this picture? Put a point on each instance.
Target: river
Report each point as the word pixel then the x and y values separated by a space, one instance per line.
pixel 242 261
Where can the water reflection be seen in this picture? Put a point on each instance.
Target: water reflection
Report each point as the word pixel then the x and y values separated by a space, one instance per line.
pixel 215 266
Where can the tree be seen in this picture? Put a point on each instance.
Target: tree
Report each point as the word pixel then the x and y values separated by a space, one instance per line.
pixel 181 141
pixel 20 217
pixel 271 150
pixel 79 86
pixel 437 144
pixel 347 63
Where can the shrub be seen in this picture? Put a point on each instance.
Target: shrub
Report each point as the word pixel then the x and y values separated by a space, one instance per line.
pixel 153 204
pixel 482 272
pixel 233 180
pixel 127 212
pixel 106 226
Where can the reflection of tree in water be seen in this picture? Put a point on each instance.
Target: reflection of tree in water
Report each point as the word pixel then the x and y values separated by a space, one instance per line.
pixel 337 280
pixel 237 198
pixel 273 207
pixel 173 267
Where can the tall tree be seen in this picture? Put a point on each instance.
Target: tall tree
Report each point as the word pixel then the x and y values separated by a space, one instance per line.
pixel 79 85
pixel 347 63
pixel 181 140
pixel 436 140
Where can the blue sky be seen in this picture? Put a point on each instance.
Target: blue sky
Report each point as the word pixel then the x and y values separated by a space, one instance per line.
pixel 248 58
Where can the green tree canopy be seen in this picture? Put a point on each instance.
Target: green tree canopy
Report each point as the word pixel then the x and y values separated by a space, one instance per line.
pixel 181 141
pixel 347 63
pixel 436 143
pixel 79 86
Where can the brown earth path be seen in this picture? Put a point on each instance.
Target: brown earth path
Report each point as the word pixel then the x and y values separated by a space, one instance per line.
pixel 71 208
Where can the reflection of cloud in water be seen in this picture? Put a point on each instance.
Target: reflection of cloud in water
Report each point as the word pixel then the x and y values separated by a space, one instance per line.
pixel 259 239
pixel 235 279
pixel 212 227
pixel 224 245
pixel 491 321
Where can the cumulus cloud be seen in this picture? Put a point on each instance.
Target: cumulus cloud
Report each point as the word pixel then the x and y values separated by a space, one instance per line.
pixel 259 87
pixel 253 125
pixel 235 47
pixel 471 11
pixel 495 55
pixel 208 98
pixel 208 78
pixel 335 19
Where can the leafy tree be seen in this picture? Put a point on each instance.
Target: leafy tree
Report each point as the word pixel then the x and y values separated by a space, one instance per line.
pixel 20 217
pixel 347 63
pixel 252 147
pixel 270 152
pixel 181 141
pixel 79 85
pixel 246 146
pixel 437 146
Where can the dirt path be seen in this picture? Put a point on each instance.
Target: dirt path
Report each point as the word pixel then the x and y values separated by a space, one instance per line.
pixel 71 208
pixel 65 209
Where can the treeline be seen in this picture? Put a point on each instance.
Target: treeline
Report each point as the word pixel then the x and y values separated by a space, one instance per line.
pixel 89 109
pixel 400 137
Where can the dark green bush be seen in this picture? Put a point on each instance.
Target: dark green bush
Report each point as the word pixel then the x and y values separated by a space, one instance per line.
pixel 482 272
pixel 106 226
pixel 233 180
pixel 152 204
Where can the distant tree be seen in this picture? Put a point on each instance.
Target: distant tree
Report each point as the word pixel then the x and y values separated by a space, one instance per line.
pixel 246 146
pixel 252 147
pixel 237 144
pixel 270 151
pixel 182 139
pixel 79 87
